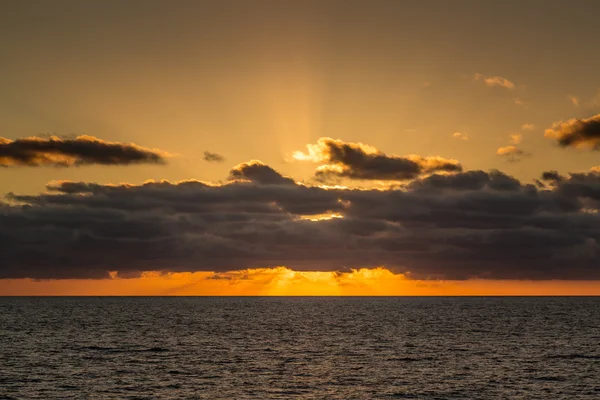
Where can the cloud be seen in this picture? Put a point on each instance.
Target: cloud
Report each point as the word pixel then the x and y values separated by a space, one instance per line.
pixel 257 171
pixel 527 127
pixel 213 157
pixel 516 138
pixel 497 81
pixel 447 226
pixel 574 100
pixel 78 151
pixel 509 150
pixel 551 176
pixel 360 161
pixel 519 102
pixel 577 133
pixel 512 153
pixel 460 135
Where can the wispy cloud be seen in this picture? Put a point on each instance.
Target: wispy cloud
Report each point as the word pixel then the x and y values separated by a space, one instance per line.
pixel 574 100
pixel 460 135
pixel 213 157
pixel 527 127
pixel 519 102
pixel 497 81
pixel 516 138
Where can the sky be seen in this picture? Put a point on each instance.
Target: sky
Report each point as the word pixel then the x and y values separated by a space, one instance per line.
pixel 299 147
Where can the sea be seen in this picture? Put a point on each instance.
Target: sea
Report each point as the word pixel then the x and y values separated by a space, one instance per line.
pixel 299 348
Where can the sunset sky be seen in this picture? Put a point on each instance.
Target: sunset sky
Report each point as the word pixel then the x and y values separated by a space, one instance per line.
pixel 299 147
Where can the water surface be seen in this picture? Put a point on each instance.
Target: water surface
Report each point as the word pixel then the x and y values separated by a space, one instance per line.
pixel 305 348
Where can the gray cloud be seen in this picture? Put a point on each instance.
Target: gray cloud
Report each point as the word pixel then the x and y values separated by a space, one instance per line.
pixel 359 161
pixel 81 150
pixel 469 224
pixel 257 171
pixel 213 157
pixel 551 176
pixel 577 133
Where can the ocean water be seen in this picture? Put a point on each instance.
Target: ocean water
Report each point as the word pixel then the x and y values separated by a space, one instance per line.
pixel 303 348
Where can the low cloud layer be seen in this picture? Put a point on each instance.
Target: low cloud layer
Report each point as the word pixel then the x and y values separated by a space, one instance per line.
pixel 577 133
pixel 81 150
pixel 341 159
pixel 451 226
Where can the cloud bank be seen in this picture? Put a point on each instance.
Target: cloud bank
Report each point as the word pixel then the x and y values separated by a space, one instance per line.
pixel 448 226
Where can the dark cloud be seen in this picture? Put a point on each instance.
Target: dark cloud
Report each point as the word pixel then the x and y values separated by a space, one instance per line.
pixel 359 161
pixel 551 176
pixel 67 152
pixel 469 180
pixel 585 186
pixel 259 172
pixel 469 224
pixel 213 157
pixel 577 133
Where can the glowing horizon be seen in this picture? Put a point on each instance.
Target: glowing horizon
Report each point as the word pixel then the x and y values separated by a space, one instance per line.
pixel 281 281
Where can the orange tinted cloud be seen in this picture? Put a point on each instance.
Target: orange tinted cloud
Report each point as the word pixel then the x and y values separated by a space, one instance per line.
pixel 81 150
pixel 492 81
pixel 577 133
pixel 361 161
pixel 528 127
pixel 515 138
pixel 460 135
pixel 509 150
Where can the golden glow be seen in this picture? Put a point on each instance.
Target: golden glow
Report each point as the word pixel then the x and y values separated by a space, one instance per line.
pixel 320 152
pixel 321 217
pixel 282 281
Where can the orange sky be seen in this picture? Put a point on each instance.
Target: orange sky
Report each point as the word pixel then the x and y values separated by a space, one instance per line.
pixel 282 281
pixel 479 86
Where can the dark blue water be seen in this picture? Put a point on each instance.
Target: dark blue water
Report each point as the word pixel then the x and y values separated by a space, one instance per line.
pixel 305 348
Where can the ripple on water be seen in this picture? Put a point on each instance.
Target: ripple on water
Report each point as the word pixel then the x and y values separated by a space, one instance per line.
pixel 308 348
